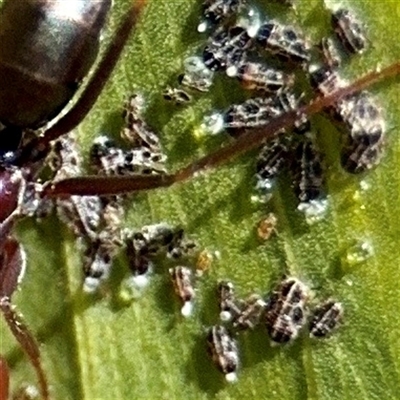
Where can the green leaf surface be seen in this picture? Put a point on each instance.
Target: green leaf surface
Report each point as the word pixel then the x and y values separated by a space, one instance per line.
pixel 101 348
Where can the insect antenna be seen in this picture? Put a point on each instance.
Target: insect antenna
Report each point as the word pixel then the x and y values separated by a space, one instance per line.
pixel 94 185
pixel 12 267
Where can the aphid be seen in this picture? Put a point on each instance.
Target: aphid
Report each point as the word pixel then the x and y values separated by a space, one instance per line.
pixel 112 160
pixel 143 245
pixel 182 278
pixel 267 226
pixel 361 118
pixel 309 178
pixel 349 30
pixel 223 351
pixel 325 79
pixel 254 113
pixel 217 11
pixel 325 318
pixel 358 155
pixel 226 49
pixel 140 264
pixel 260 77
pixel 284 42
pixel 361 113
pixel 366 128
pixel 285 312
pixel 196 75
pixel 95 222
pixel 251 113
pixel 152 239
pixel 228 304
pixel 108 159
pixel 101 250
pixel 271 161
pixel 145 155
pixel 330 53
pixel 81 214
pixel 177 96
pixel 285 102
pixel 136 131
pixel 250 314
pixel 97 261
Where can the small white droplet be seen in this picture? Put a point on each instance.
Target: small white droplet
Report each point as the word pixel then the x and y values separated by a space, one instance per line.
pixel 231 71
pixel 217 254
pixel 225 316
pixel 231 377
pixel 213 124
pixel 314 210
pixel 101 140
pixel 261 199
pixel 90 285
pixel 31 392
pixel 140 281
pixel 264 185
pixel 359 252
pixel 364 185
pixel 187 309
pixel 251 22
pixel 202 27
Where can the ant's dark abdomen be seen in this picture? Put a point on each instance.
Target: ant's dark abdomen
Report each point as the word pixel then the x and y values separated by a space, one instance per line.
pixel 47 48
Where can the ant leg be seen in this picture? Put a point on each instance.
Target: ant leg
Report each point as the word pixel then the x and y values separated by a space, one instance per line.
pixel 95 185
pixel 4 379
pixel 12 267
pixel 254 138
pixel 37 148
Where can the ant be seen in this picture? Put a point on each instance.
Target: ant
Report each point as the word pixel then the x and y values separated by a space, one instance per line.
pixel 21 163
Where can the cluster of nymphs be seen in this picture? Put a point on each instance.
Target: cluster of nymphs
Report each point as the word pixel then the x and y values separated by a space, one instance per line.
pixel 265 56
pixel 285 313
pixel 150 241
pixel 97 221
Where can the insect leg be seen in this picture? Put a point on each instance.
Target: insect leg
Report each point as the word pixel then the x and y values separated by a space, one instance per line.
pixel 11 269
pixel 93 185
pixel 4 379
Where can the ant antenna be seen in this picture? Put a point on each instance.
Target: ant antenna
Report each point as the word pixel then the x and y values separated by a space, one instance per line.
pixel 95 185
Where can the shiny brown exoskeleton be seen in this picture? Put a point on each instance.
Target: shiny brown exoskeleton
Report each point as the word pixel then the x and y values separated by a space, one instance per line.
pixel 46 52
